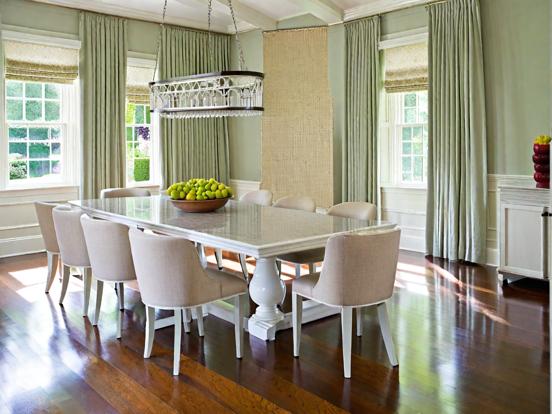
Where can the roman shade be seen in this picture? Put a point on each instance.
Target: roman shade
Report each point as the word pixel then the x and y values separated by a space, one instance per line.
pixel 138 78
pixel 406 68
pixel 40 63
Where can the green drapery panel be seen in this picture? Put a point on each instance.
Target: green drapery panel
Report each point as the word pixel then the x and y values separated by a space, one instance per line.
pixel 457 160
pixel 193 147
pixel 102 68
pixel 360 148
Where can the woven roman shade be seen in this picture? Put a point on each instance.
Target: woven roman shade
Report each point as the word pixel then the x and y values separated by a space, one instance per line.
pixel 40 63
pixel 406 68
pixel 137 84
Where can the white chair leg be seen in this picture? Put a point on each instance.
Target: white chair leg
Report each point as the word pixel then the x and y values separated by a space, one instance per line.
pixel 279 267
pixel 150 331
pixel 121 295
pixel 52 269
pixel 311 268
pixel 87 281
pixel 297 319
pixel 346 334
pixel 202 256
pixel 65 282
pixel 218 257
pixel 99 294
pixel 177 339
pixel 243 264
pixel 187 319
pixel 298 270
pixel 199 315
pixel 238 323
pixel 358 312
pixel 386 333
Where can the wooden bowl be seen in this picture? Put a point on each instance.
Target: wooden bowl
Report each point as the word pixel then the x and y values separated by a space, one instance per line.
pixel 200 206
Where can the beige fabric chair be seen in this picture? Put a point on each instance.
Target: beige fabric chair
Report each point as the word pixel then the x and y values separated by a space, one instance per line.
pixel 359 210
pixel 111 260
pixel 124 192
pixel 170 276
pixel 296 203
pixel 359 270
pixel 259 197
pixel 72 247
pixel 46 223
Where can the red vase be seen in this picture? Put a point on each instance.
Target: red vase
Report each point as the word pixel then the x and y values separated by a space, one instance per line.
pixel 541 160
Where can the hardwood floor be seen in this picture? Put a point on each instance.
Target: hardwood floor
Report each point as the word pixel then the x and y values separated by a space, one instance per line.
pixel 464 345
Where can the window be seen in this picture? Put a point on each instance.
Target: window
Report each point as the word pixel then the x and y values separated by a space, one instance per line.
pixel 410 135
pixel 138 143
pixel 36 132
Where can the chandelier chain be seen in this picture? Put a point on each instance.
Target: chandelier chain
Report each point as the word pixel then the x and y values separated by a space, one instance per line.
pixel 242 57
pixel 210 36
pixel 159 40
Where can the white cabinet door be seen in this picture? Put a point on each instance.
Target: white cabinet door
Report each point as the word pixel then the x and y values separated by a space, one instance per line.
pixel 523 247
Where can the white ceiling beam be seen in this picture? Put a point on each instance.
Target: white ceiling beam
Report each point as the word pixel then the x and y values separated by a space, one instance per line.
pixel 380 6
pixel 243 13
pixel 325 10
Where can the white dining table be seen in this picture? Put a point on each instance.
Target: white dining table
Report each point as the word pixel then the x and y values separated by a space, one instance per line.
pixel 261 232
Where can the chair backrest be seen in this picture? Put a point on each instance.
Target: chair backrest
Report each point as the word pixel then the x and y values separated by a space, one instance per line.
pixel 296 203
pixel 124 192
pixel 259 197
pixel 46 223
pixel 70 236
pixel 109 249
pixel 359 268
pixel 169 272
pixel 359 210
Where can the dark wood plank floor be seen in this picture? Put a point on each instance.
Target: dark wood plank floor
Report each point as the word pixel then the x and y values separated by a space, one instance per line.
pixel 464 345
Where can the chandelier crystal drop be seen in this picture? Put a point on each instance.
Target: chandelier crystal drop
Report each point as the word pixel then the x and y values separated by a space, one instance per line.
pixel 209 95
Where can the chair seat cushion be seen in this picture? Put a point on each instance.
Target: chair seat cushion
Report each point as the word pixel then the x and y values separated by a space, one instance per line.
pixel 304 285
pixel 231 284
pixel 305 256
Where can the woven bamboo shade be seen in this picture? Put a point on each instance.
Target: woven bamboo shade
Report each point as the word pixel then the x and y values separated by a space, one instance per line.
pixel 137 84
pixel 297 157
pixel 40 63
pixel 406 68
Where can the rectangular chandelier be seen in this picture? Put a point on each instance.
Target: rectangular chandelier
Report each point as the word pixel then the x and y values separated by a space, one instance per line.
pixel 216 94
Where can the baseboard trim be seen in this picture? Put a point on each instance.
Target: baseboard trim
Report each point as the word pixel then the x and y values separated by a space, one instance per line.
pixel 244 186
pixel 18 246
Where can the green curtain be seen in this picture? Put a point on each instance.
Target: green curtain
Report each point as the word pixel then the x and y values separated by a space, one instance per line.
pixel 102 71
pixel 360 146
pixel 193 147
pixel 457 159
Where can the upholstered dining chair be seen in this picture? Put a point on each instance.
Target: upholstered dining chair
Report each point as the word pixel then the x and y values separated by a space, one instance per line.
pixel 359 210
pixel 72 247
pixel 359 270
pixel 296 203
pixel 124 192
pixel 46 223
pixel 110 258
pixel 170 276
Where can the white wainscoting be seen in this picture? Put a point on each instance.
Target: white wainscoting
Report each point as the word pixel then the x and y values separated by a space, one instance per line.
pixel 242 186
pixel 19 230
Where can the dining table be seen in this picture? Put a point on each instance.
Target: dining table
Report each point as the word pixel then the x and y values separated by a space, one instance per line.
pixel 261 232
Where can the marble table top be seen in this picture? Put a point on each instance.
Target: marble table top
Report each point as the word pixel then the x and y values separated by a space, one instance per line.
pixel 239 226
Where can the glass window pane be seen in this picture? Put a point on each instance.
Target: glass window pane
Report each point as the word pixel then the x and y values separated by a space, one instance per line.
pixel 17 134
pixel 410 100
pixel 423 117
pixel 406 164
pixel 417 147
pixel 129 135
pixel 55 133
pixel 410 116
pixel 406 148
pixel 418 168
pixel 422 101
pixel 18 170
pixel 129 118
pixel 417 133
pixel 38 133
pixel 18 150
pixel 14 88
pixel 55 167
pixel 56 148
pixel 39 151
pixel 141 169
pixel 33 110
pixel 139 115
pixel 33 90
pixel 406 134
pixel 142 133
pixel 51 91
pixel 148 115
pixel 51 110
pixel 39 168
pixel 14 110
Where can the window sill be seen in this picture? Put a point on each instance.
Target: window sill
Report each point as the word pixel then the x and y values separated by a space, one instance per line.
pixel 36 189
pixel 403 187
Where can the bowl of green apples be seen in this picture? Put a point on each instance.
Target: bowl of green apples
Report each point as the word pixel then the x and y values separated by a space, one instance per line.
pixel 199 195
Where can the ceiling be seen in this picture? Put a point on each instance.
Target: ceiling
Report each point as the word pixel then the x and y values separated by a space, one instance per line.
pixel 251 14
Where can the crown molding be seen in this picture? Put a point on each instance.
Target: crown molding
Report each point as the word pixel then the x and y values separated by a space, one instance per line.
pixel 378 7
